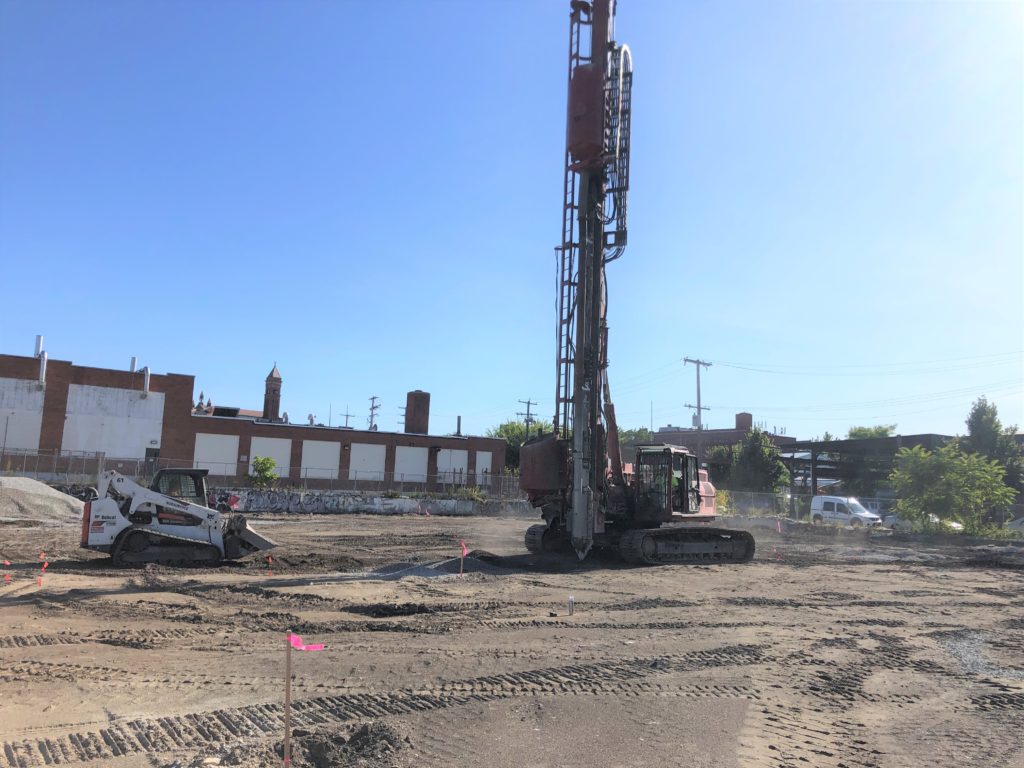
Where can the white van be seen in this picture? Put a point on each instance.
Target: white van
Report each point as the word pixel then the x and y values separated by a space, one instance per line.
pixel 842 510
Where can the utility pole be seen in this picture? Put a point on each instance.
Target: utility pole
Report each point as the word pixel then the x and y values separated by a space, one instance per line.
pixel 374 407
pixel 527 417
pixel 698 407
pixel 347 415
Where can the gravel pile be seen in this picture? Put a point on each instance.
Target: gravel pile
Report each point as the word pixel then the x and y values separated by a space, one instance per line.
pixel 23 500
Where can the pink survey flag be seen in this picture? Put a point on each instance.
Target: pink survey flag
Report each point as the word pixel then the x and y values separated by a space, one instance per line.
pixel 298 645
pixel 464 550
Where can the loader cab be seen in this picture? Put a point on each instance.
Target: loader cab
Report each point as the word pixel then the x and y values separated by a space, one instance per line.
pixel 185 484
pixel 666 482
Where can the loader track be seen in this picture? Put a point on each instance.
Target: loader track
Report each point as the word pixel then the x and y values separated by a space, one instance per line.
pixel 161 734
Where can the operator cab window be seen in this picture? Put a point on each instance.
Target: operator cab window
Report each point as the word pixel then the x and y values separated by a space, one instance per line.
pixel 678 483
pixel 178 486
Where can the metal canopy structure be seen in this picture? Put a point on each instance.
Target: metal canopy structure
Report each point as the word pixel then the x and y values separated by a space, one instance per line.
pixel 813 459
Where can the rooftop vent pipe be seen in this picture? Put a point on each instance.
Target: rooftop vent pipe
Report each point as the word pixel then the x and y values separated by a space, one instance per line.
pixel 39 345
pixel 135 364
pixel 42 368
pixel 145 382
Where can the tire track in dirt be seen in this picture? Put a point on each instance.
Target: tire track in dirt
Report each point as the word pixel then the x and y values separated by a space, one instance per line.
pixel 612 678
pixel 127 638
pixel 779 736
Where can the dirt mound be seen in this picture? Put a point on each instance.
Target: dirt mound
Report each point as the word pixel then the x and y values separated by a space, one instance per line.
pixel 366 745
pixel 25 500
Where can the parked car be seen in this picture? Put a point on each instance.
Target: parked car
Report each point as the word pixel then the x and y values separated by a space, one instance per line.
pixel 898 524
pixel 842 510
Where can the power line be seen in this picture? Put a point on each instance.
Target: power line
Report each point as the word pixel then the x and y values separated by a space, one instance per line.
pixel 880 369
pixel 998 386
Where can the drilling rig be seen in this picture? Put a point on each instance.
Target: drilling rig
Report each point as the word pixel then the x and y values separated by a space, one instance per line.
pixel 575 475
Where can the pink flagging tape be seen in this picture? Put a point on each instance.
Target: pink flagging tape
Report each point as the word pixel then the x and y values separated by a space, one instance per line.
pixel 464 550
pixel 298 645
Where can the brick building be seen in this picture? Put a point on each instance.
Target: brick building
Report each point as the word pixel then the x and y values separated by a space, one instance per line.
pixel 700 441
pixel 136 420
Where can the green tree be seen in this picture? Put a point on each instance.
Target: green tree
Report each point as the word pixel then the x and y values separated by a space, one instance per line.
pixel 514 435
pixel 987 436
pixel 863 433
pixel 263 474
pixel 756 465
pixel 719 460
pixel 950 484
pixel 629 439
pixel 633 437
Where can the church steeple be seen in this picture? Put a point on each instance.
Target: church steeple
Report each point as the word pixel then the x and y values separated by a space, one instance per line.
pixel 272 396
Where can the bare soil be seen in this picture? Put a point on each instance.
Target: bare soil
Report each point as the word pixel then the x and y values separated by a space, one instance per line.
pixel 830 649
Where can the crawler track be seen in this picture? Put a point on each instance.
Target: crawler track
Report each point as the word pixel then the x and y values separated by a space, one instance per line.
pixel 686 545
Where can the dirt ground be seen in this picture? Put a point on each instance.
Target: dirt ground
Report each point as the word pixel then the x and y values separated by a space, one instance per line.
pixel 831 649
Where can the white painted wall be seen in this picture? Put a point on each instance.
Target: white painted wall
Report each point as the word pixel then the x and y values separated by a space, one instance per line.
pixel 452 465
pixel 411 464
pixel 483 466
pixel 21 414
pixel 366 462
pixel 320 459
pixel 217 453
pixel 119 422
pixel 277 448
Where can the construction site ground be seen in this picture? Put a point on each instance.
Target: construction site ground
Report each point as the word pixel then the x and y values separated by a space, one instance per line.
pixel 833 648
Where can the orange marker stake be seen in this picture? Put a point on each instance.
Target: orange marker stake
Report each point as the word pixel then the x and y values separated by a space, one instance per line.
pixel 270 561
pixel 7 576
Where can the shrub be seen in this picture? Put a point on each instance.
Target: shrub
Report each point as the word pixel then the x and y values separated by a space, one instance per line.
pixel 263 474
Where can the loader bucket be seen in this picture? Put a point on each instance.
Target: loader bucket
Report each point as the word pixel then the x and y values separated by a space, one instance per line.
pixel 241 540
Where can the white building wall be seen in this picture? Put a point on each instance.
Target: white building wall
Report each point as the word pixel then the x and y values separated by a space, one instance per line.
pixel 320 459
pixel 217 453
pixel 367 462
pixel 452 465
pixel 483 466
pixel 411 464
pixel 277 448
pixel 119 422
pixel 21 414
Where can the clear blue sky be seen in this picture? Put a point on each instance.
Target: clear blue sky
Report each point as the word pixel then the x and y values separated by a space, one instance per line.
pixel 826 203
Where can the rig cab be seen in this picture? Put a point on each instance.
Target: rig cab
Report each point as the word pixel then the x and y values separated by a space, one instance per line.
pixel 666 485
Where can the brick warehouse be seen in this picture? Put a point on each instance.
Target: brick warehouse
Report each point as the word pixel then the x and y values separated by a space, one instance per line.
pixel 137 421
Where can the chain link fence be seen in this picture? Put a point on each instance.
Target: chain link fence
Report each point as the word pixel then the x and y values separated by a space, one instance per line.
pixel 798 506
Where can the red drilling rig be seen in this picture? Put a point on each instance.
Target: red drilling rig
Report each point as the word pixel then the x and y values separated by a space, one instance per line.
pixel 575 474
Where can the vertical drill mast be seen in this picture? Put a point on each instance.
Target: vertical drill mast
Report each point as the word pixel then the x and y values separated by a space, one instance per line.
pixel 593 233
